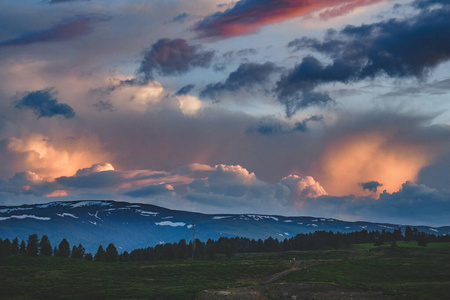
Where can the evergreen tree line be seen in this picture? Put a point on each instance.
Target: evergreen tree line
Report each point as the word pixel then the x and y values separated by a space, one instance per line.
pixel 319 240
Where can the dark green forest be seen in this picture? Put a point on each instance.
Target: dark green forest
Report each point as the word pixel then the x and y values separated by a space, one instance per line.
pixel 319 240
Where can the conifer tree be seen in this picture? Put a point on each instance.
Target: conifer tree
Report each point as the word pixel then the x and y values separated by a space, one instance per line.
pixel 33 245
pixel 81 251
pixel 46 247
pixel 422 239
pixel 6 247
pixel 74 253
pixel 64 248
pixel 100 255
pixel 15 246
pixel 111 253
pixel 22 248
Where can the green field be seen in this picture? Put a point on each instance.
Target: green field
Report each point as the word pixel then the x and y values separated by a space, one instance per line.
pixel 404 272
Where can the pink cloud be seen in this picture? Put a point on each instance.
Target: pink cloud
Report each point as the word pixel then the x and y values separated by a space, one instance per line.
pixel 247 16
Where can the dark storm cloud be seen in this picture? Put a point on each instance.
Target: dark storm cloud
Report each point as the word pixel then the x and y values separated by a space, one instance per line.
pixel 396 48
pixel 27 183
pixel 370 185
pixel 45 105
pixel 247 76
pixel 95 180
pixel 270 126
pixel 173 57
pixel 151 190
pixel 185 89
pixel 63 31
pixel 104 179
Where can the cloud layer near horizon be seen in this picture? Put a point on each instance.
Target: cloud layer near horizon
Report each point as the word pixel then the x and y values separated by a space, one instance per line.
pixel 228 189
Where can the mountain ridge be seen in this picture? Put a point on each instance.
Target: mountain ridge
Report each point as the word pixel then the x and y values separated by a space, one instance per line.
pixel 137 225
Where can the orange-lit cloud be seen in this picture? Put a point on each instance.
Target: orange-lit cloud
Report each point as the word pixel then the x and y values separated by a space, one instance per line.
pixel 247 16
pixel 38 154
pixel 57 193
pixel 302 188
pixel 370 156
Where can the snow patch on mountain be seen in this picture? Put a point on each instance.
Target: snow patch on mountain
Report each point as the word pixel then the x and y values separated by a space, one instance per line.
pixel 8 210
pixel 24 217
pixel 53 204
pixel 95 215
pixel 67 215
pixel 170 223
pixel 220 217
pixel 259 217
pixel 90 203
pixel 146 213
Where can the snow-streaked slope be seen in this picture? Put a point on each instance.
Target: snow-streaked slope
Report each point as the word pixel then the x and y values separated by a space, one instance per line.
pixel 130 226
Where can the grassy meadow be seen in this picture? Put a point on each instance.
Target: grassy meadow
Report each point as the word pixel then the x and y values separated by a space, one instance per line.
pixel 403 272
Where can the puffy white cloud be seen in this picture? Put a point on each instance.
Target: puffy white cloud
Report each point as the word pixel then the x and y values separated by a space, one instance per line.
pixel 303 187
pixel 189 105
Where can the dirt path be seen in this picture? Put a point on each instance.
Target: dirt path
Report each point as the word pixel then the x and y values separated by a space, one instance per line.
pixel 299 291
pixel 296 266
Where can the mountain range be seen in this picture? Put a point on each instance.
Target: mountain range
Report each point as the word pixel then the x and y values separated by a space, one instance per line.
pixel 130 225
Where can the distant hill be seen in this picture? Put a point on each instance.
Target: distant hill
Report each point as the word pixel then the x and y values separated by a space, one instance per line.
pixel 130 225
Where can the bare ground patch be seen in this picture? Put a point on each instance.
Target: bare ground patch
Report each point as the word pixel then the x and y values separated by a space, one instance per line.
pixel 303 291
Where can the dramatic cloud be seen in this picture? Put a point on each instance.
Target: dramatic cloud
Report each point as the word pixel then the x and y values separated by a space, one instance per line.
pixel 371 186
pixel 60 32
pixel 247 16
pixel 391 149
pixel 246 76
pixel 173 57
pixel 374 97
pixel 366 51
pixel 45 105
pixel 50 158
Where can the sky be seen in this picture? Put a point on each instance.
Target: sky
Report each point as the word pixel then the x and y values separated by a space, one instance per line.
pixel 327 108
